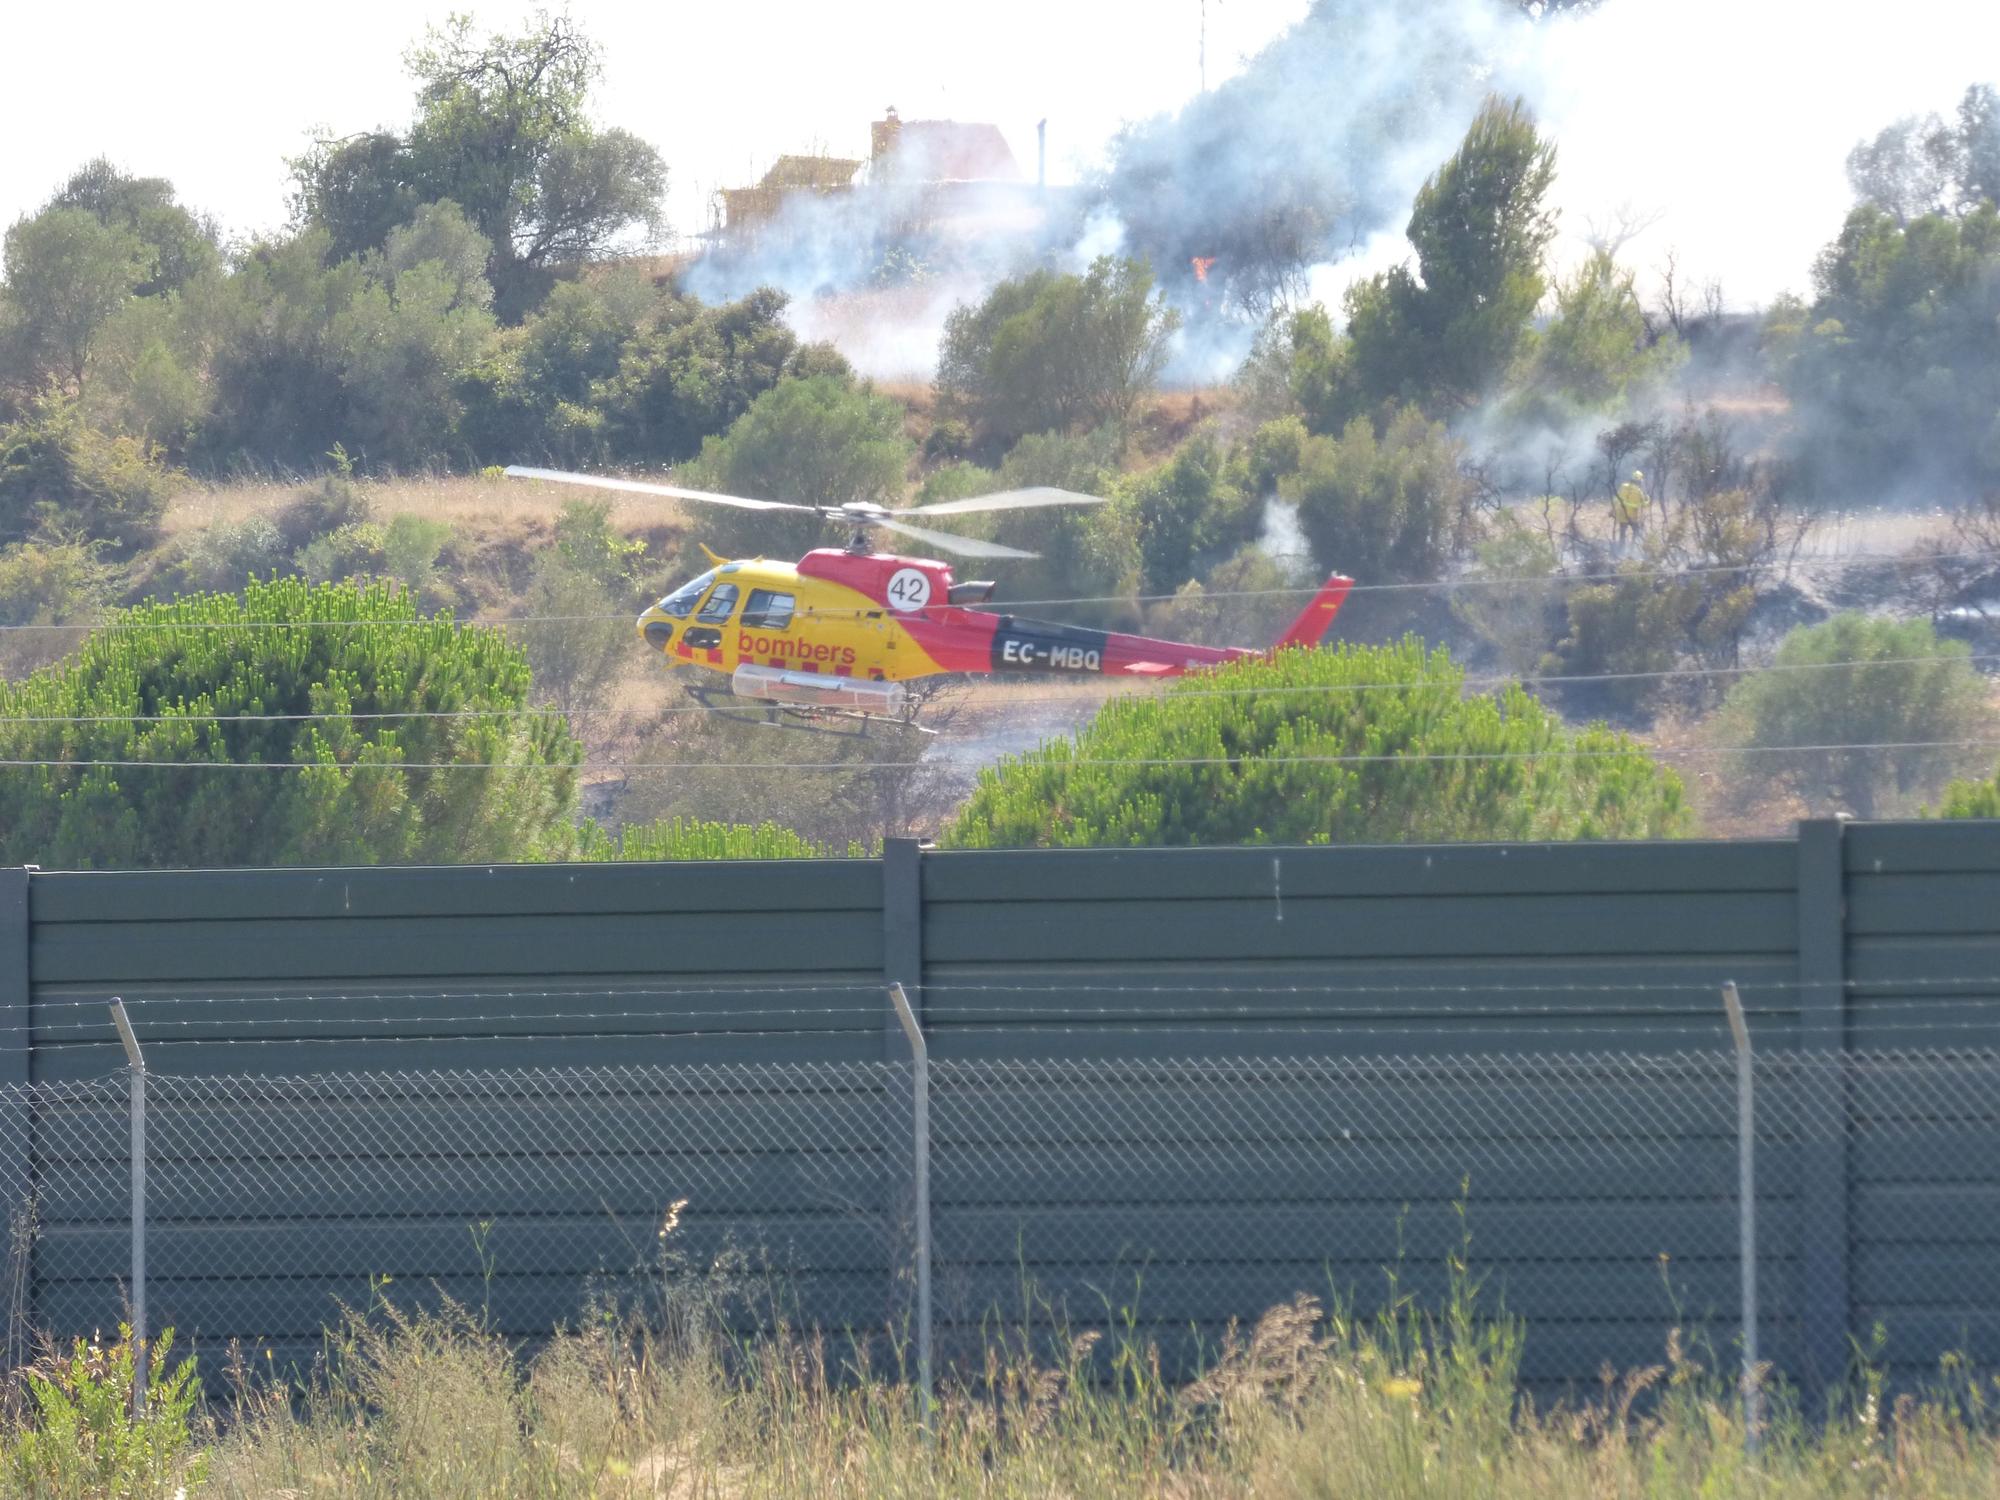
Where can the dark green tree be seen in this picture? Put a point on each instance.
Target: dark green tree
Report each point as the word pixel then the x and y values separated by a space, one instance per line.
pixel 817 441
pixel 1442 335
pixel 204 685
pixel 181 244
pixel 1347 745
pixel 1894 369
pixel 1051 351
pixel 502 130
pixel 1387 509
pixel 68 273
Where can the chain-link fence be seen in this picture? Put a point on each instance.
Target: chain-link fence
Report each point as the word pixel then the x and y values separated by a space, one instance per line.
pixel 1596 1197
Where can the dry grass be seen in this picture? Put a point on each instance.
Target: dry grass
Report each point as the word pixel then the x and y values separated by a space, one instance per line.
pixel 1303 1405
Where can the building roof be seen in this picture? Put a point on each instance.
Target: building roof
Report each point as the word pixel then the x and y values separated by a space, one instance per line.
pixel 951 151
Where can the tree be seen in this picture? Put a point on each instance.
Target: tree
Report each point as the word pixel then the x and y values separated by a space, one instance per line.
pixel 1596 352
pixel 1894 369
pixel 819 441
pixel 1442 336
pixel 1923 165
pixel 502 131
pixel 1192 515
pixel 67 273
pixel 1856 681
pixel 1051 351
pixel 181 245
pixel 1387 509
pixel 185 683
pixel 1355 744
pixel 370 353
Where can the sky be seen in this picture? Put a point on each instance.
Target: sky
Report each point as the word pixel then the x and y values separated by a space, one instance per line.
pixel 719 89
pixel 1723 123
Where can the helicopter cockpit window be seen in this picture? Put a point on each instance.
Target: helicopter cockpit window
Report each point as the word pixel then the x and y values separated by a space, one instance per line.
pixel 720 604
pixel 768 610
pixel 682 599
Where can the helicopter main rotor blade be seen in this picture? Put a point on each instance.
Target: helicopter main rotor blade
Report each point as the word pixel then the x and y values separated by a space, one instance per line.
pixel 964 546
pixel 642 487
pixel 1027 499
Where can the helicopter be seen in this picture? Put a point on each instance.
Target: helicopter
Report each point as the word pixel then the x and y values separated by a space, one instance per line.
pixel 848 630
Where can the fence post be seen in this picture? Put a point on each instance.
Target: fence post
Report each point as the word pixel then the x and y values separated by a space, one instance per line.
pixel 1823 1102
pixel 920 1083
pixel 137 1073
pixel 1746 1213
pixel 17 1168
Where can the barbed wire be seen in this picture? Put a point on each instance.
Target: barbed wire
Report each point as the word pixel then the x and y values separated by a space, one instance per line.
pixel 1752 983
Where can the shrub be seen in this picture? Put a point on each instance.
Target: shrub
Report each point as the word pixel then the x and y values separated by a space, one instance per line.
pixel 172 684
pixel 222 556
pixel 1628 632
pixel 411 545
pixel 692 838
pixel 330 502
pixel 1385 508
pixel 47 583
pixel 1051 351
pixel 1515 614
pixel 58 473
pixel 1191 515
pixel 1856 681
pixel 84 1441
pixel 1356 744
pixel 586 541
pixel 350 551
pixel 576 638
pixel 820 441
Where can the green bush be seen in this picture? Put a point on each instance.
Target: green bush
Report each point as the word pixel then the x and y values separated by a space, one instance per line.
pixel 222 556
pixel 351 551
pixel 1192 515
pixel 1358 744
pixel 330 502
pixel 693 838
pixel 1385 509
pixel 83 1440
pixel 411 545
pixel 1857 681
pixel 47 583
pixel 586 541
pixel 57 473
pixel 1627 632
pixel 821 441
pixel 1051 351
pixel 176 683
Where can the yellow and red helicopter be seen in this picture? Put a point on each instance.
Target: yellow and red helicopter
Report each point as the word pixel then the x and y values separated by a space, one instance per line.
pixel 843 630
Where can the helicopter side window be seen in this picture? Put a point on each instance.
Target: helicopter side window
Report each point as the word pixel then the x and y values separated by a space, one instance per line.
pixel 720 605
pixel 768 610
pixel 682 600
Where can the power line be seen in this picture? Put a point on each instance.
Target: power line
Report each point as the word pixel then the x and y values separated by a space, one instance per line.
pixel 1395 685
pixel 1246 761
pixel 1466 581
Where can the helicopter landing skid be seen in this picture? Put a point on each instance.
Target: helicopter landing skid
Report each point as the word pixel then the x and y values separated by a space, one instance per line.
pixel 763 712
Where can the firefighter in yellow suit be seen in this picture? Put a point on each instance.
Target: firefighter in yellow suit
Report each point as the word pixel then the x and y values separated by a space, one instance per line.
pixel 1628 509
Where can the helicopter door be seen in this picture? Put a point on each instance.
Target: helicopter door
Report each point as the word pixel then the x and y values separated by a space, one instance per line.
pixel 705 634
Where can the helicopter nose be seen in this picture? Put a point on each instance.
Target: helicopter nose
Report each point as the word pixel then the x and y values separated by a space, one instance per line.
pixel 656 631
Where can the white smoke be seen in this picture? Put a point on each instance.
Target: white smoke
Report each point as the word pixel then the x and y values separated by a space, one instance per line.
pixel 1717 130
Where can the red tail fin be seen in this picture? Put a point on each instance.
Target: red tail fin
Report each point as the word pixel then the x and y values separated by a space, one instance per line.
pixel 1317 617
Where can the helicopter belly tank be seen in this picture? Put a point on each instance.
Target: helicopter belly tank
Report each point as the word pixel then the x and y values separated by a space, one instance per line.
pixel 810 690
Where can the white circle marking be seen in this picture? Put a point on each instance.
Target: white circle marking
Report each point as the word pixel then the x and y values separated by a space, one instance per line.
pixel 909 588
